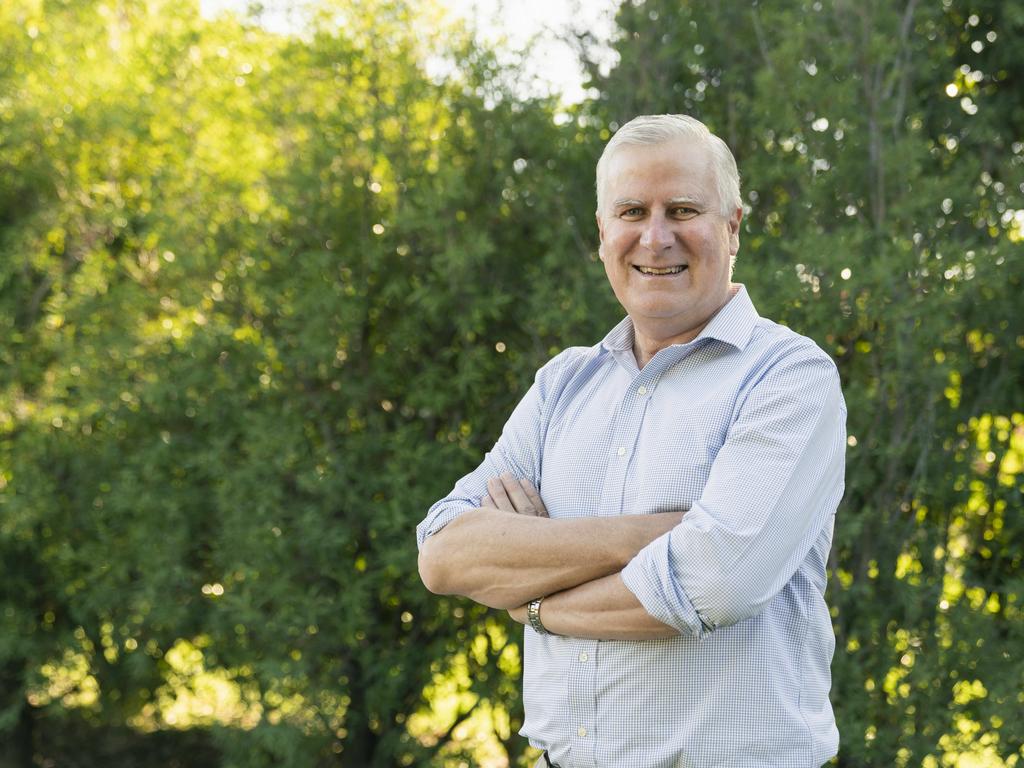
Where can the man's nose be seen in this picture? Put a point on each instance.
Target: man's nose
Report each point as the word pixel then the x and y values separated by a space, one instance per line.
pixel 657 235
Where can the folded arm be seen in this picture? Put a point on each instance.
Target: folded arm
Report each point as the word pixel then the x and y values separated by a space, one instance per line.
pixel 503 559
pixel 602 609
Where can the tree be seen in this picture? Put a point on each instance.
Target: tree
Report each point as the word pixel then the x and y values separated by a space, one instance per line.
pixel 265 298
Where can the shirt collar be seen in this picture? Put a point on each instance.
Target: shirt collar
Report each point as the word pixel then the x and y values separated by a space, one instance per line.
pixel 733 324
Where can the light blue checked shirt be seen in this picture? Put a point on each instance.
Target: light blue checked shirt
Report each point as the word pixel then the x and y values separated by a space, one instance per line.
pixel 744 427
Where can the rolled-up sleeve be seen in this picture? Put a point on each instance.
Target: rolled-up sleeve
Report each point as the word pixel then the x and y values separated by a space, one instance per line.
pixel 517 451
pixel 773 489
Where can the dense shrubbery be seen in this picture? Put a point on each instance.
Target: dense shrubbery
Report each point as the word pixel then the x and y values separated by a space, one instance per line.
pixel 263 299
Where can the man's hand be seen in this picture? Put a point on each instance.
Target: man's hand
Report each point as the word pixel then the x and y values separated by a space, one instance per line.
pixel 511 495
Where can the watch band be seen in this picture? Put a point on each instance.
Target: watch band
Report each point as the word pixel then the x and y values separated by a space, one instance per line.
pixel 533 615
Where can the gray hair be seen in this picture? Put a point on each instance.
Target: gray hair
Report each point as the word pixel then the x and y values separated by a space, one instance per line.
pixel 660 129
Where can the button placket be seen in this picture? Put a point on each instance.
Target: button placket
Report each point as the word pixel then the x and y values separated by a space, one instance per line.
pixel 583 690
pixel 627 424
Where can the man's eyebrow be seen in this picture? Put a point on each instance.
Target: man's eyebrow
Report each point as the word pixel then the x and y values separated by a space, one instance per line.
pixel 682 199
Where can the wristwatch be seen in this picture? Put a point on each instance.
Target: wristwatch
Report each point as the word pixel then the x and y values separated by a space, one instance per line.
pixel 533 615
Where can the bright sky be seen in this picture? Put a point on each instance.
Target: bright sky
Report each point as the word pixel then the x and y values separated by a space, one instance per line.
pixel 509 25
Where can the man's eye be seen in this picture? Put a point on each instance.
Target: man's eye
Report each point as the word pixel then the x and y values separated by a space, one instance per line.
pixel 684 212
pixel 633 212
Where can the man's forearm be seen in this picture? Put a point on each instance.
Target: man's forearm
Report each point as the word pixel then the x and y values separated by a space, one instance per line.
pixel 603 609
pixel 503 560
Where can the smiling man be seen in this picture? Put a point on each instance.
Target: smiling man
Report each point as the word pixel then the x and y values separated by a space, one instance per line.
pixel 658 509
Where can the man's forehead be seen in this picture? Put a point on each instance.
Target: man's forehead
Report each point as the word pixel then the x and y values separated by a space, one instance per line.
pixel 687 161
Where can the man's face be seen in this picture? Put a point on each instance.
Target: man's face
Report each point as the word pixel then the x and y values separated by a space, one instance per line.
pixel 665 244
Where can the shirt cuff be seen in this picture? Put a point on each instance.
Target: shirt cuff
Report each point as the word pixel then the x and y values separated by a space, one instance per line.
pixel 438 518
pixel 649 577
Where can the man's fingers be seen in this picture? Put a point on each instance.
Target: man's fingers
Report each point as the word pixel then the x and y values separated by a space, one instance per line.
pixel 497 492
pixel 510 494
pixel 517 495
pixel 534 496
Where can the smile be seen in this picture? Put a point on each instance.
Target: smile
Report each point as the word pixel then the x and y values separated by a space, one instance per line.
pixel 660 270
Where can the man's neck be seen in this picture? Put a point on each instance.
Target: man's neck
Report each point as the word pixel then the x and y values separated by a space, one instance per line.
pixel 649 339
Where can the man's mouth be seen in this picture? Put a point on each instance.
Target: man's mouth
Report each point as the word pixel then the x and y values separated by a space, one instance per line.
pixel 660 270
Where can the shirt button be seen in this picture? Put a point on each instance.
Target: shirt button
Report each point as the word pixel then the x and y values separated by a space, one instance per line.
pixel 583 656
pixel 641 390
pixel 582 731
pixel 621 451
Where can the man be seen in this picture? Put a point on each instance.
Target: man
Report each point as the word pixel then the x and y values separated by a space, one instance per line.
pixel 671 569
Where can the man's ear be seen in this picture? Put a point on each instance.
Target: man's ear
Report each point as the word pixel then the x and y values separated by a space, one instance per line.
pixel 600 234
pixel 734 231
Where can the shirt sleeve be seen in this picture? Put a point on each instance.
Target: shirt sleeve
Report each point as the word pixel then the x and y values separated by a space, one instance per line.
pixel 518 450
pixel 773 488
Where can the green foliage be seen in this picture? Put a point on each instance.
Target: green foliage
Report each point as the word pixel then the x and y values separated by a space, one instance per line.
pixel 264 298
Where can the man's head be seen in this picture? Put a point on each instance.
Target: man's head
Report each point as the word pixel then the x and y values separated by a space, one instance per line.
pixel 669 215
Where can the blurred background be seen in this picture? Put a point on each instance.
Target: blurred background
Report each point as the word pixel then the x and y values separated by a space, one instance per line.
pixel 273 276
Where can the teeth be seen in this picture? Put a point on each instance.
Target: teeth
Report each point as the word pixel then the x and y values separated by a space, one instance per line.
pixel 662 270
